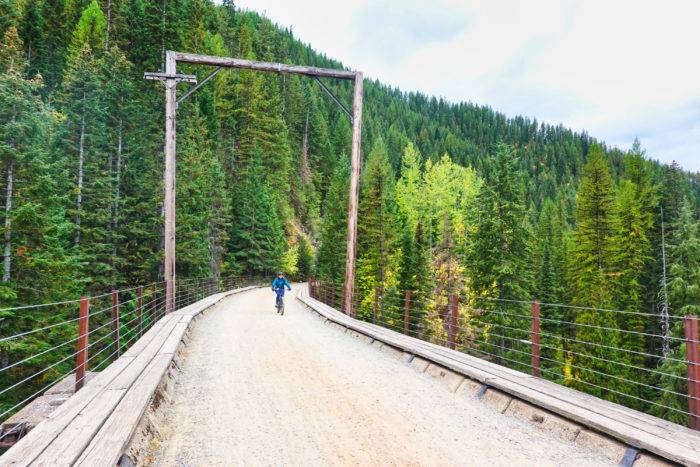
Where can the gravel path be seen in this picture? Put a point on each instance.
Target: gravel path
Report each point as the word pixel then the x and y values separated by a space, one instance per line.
pixel 261 389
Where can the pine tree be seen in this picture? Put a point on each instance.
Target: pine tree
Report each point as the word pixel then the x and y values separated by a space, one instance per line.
pixel 257 237
pixel 409 189
pixel 330 259
pixel 33 33
pixel 499 258
pixel 684 297
pixel 90 31
pixel 592 263
pixel 375 221
pixel 305 260
pixel 118 94
pixel 38 265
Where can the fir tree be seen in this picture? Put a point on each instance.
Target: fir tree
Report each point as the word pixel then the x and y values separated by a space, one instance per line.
pixel 330 259
pixel 257 237
pixel 499 256
pixel 591 268
pixel 684 297
pixel 375 220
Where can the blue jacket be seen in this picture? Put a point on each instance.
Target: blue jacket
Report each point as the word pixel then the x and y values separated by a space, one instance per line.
pixel 280 284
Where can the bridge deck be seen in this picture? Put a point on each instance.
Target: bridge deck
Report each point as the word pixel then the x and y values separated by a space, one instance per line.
pixel 257 388
pixel 94 425
pixel 634 428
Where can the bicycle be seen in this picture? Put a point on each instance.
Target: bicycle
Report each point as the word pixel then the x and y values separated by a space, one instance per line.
pixel 279 303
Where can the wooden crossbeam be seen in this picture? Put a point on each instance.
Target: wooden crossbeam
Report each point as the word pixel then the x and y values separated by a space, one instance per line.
pixel 153 76
pixel 228 62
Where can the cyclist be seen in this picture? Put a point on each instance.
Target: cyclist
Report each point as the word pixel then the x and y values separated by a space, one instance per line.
pixel 278 286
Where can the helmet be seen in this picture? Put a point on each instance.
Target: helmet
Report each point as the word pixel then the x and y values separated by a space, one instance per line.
pixel 280 273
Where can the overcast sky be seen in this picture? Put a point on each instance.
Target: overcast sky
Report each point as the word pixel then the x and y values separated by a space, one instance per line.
pixel 618 69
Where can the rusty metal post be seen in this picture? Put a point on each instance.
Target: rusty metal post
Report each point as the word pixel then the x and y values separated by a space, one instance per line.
pixel 454 316
pixel 139 321
pixel 407 313
pixel 376 305
pixel 693 357
pixel 535 338
pixel 154 309
pixel 115 323
pixel 82 350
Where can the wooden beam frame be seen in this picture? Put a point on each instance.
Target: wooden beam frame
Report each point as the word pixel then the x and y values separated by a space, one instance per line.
pixel 171 78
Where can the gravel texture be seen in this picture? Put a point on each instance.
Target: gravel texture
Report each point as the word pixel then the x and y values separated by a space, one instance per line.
pixel 257 388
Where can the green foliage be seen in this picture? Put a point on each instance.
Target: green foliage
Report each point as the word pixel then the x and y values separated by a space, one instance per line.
pixel 257 237
pixel 305 259
pixel 330 259
pixel 450 193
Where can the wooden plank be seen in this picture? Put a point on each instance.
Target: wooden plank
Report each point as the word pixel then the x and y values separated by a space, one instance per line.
pixel 489 370
pixel 30 447
pixel 127 377
pixel 173 341
pixel 229 62
pixel 116 376
pixel 138 346
pixel 110 442
pixel 70 443
pixel 667 439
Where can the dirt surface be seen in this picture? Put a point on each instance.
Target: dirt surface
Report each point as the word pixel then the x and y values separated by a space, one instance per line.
pixel 257 388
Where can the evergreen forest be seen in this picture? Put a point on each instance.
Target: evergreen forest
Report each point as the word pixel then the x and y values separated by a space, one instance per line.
pixel 455 198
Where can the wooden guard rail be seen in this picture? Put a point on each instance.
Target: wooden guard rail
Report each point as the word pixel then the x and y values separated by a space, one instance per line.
pixel 639 431
pixel 325 293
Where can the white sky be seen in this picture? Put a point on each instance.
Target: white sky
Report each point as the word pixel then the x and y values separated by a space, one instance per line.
pixel 615 68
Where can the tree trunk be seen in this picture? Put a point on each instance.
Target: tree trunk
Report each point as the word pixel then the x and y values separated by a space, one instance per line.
pixel 109 23
pixel 115 167
pixel 305 170
pixel 81 159
pixel 7 250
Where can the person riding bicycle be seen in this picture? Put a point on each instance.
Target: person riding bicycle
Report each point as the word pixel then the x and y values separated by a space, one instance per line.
pixel 279 284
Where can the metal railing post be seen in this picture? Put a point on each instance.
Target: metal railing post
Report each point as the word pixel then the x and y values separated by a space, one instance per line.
pixel 82 350
pixel 407 313
pixel 139 321
pixel 332 295
pixel 115 323
pixel 693 357
pixel 535 338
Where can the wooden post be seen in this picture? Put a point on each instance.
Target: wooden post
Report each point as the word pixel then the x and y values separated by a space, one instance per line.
pixel 407 313
pixel 82 350
pixel 535 338
pixel 139 321
pixel 169 179
pixel 154 309
pixel 354 190
pixel 693 357
pixel 115 323
pixel 454 317
pixel 376 305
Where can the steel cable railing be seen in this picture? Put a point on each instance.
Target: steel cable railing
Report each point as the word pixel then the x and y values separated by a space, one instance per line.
pixel 550 342
pixel 38 357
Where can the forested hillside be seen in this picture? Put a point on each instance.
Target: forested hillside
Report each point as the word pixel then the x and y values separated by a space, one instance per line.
pixel 455 198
